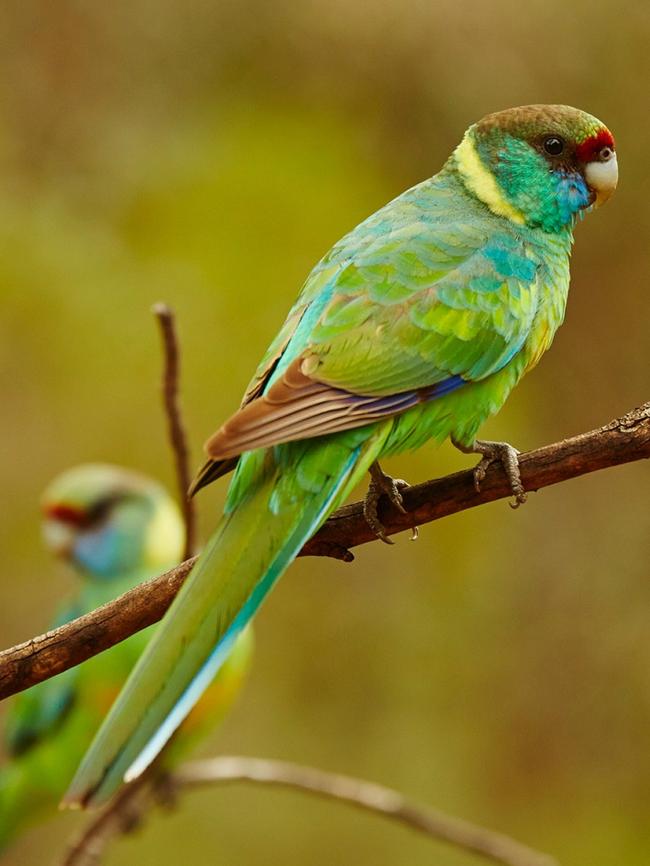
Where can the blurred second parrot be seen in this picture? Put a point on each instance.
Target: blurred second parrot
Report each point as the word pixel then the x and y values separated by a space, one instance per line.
pixel 116 528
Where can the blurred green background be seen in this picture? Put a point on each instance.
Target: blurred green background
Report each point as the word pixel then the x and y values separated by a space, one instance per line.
pixel 208 153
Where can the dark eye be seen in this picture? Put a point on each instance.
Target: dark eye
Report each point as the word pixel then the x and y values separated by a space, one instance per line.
pixel 100 511
pixel 553 145
pixel 605 154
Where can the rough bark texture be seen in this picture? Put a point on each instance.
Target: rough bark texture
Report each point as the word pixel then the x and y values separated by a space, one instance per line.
pixel 621 441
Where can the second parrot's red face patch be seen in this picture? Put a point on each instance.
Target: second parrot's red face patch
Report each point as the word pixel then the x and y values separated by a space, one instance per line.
pixel 65 514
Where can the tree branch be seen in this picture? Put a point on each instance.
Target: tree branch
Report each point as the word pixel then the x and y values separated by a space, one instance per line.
pixel 358 793
pixel 121 816
pixel 176 427
pixel 622 441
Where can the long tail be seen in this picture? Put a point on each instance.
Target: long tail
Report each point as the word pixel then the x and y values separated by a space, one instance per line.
pixel 277 501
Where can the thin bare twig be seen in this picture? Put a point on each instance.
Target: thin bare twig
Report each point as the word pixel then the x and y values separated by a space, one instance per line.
pixel 177 432
pixel 368 796
pixel 122 815
pixel 621 441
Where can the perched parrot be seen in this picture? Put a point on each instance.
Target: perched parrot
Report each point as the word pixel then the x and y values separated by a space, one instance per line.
pixel 414 327
pixel 116 528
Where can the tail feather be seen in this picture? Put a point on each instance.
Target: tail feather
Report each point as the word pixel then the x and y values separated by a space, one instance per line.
pixel 209 472
pixel 253 545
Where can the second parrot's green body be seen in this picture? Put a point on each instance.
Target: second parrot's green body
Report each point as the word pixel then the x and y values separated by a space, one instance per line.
pixel 116 528
pixel 416 326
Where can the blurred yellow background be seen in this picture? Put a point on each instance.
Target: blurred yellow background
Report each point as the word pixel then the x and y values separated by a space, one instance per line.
pixel 207 154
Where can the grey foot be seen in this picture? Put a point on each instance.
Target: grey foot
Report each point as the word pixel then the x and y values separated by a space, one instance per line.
pixel 382 485
pixel 508 457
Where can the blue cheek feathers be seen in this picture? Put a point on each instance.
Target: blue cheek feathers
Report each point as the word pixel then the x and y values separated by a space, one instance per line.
pixel 104 553
pixel 572 195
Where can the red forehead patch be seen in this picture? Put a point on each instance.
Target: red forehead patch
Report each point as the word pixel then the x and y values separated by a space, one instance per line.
pixel 591 147
pixel 65 513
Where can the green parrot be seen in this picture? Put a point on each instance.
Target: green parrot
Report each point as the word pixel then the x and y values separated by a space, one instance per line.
pixel 116 528
pixel 415 327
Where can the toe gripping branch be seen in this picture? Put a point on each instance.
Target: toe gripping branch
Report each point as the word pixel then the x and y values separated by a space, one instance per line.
pixel 382 484
pixel 504 453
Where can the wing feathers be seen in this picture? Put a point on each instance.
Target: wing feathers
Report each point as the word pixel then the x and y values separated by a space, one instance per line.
pixel 297 407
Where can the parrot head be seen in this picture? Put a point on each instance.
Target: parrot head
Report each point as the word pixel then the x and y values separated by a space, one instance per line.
pixel 108 521
pixel 539 165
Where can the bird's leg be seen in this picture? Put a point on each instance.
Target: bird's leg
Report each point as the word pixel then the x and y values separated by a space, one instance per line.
pixel 382 484
pixel 509 459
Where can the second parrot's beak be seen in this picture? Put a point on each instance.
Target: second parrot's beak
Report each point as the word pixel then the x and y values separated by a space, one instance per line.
pixel 59 537
pixel 602 177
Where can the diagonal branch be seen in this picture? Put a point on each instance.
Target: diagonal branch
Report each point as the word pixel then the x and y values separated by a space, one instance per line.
pixel 438 826
pixel 621 441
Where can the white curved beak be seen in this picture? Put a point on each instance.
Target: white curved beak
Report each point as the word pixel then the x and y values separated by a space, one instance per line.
pixel 58 537
pixel 602 178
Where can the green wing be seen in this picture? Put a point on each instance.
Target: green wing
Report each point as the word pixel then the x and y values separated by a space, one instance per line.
pixel 409 312
pixel 411 304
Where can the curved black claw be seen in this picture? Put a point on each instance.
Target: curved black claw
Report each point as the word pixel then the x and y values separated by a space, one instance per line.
pixel 508 457
pixel 383 485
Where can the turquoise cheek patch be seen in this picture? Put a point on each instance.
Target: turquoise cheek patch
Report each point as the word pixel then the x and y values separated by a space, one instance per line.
pixel 573 194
